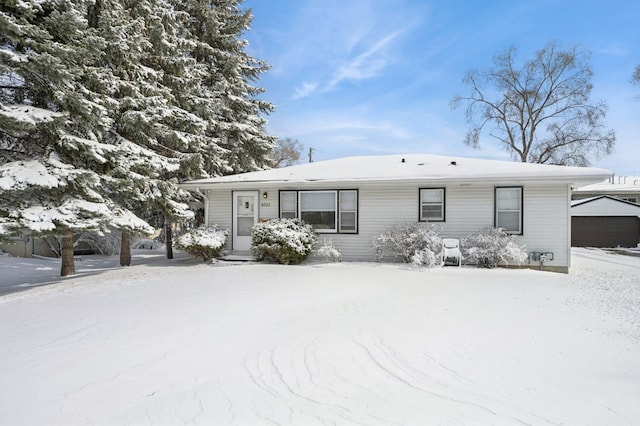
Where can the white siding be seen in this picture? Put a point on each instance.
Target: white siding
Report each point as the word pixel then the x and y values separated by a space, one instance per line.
pixel 469 208
pixel 269 205
pixel 219 210
pixel 383 205
pixel 546 222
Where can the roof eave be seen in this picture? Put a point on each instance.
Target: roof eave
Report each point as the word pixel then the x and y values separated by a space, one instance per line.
pixel 567 179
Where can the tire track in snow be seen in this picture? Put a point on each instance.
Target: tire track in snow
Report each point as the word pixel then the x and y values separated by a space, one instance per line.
pixel 268 375
pixel 402 371
pixel 296 384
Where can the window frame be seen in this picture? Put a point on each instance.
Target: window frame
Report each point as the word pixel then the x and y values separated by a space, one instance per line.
pixel 333 230
pixel 355 211
pixel 520 210
pixel 280 203
pixel 338 210
pixel 443 203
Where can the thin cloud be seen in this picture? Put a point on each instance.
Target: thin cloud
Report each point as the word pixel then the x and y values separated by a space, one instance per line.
pixel 366 65
pixel 305 90
pixel 363 66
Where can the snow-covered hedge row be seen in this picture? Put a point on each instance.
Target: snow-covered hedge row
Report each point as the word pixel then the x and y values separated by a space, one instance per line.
pixel 204 242
pixel 286 241
pixel 492 247
pixel 422 246
pixel 410 242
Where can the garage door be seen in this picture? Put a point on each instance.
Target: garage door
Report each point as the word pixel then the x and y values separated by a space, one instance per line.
pixel 605 231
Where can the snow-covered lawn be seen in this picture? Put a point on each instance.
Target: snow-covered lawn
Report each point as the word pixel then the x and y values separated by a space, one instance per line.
pixel 346 343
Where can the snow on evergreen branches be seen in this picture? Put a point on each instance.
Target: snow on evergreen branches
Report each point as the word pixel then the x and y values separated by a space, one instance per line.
pixel 28 114
pixel 20 175
pixel 117 103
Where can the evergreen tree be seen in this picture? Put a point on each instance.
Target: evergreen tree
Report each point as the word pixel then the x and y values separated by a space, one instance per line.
pixel 51 154
pixel 106 105
pixel 140 42
pixel 227 72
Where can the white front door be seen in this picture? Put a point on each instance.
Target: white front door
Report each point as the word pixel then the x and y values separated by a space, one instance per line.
pixel 245 215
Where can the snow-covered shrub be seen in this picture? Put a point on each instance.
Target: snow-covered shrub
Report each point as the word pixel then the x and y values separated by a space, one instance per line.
pixel 410 242
pixel 329 252
pixel 426 257
pixel 492 247
pixel 205 242
pixel 286 241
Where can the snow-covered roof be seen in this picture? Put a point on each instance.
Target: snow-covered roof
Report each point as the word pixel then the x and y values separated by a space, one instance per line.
pixel 412 167
pixel 581 201
pixel 614 184
pixel 604 205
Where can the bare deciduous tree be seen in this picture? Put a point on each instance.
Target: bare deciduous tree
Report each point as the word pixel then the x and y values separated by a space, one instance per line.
pixel 286 152
pixel 540 113
pixel 635 78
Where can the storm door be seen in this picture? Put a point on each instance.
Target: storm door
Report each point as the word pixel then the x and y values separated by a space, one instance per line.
pixel 245 215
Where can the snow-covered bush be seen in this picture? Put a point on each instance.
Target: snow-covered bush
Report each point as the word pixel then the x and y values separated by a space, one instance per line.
pixel 410 242
pixel 206 242
pixel 329 252
pixel 286 241
pixel 492 247
pixel 426 257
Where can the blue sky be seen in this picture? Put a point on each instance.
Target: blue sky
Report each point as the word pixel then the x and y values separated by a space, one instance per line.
pixel 367 77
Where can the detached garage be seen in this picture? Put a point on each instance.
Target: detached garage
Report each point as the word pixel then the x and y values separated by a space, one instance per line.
pixel 605 222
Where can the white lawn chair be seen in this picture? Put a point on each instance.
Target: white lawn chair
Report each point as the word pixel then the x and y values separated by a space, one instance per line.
pixel 451 254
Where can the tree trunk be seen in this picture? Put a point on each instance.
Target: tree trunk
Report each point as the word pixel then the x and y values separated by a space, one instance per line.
pixel 168 237
pixel 68 267
pixel 125 250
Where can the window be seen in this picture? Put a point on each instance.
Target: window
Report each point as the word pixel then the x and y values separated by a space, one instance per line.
pixel 288 204
pixel 318 208
pixel 348 205
pixel 630 199
pixel 508 209
pixel 432 205
pixel 329 211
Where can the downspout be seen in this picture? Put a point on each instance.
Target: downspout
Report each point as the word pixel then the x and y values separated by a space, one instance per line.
pixel 570 191
pixel 206 206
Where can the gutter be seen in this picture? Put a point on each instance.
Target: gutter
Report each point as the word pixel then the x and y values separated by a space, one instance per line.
pixel 579 180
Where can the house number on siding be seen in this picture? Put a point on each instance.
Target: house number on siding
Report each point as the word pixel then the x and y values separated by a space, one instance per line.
pixel 265 205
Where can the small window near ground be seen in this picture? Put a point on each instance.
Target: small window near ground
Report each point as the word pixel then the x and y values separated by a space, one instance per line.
pixel 288 204
pixel 508 209
pixel 432 208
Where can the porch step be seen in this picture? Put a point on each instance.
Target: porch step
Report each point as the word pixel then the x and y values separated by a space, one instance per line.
pixel 242 256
